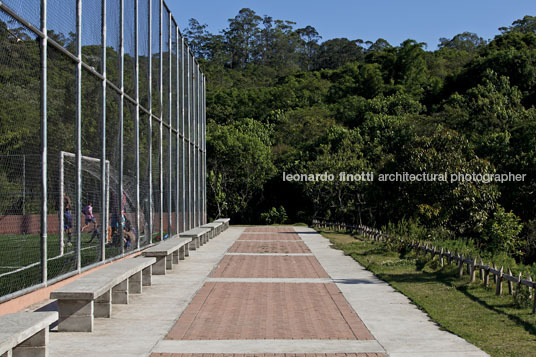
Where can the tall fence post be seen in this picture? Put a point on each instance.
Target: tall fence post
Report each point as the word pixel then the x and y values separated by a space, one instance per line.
pixel 44 145
pixel 78 203
pixel 137 120
pixel 105 167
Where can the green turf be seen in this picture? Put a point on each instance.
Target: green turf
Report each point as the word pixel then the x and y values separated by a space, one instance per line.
pixel 467 309
pixel 23 250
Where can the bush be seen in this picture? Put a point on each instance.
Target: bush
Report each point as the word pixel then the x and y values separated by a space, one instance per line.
pixel 522 297
pixel 275 216
pixel 501 233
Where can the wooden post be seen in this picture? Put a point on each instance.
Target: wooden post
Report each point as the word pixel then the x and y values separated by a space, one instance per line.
pixel 510 287
pixel 529 278
pixel 473 270
pixel 486 276
pixel 518 285
pixel 498 291
pixel 441 259
pixel 495 275
pixel 481 270
pixel 460 266
pixel 449 257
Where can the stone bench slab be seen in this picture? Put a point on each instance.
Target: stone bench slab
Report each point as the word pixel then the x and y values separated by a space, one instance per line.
pixel 166 247
pixel 19 327
pixel 99 282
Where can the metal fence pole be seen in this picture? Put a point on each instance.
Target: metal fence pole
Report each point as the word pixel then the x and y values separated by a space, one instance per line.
pixel 183 154
pixel 78 204
pixel 170 111
pixel 137 120
pixel 150 129
pixel 177 137
pixel 121 119
pixel 192 143
pixel 44 146
pixel 105 169
pixel 199 149
pixel 160 128
pixel 205 210
pixel 62 204
pixel 193 139
pixel 187 120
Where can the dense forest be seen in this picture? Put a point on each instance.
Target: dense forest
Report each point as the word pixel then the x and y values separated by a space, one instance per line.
pixel 282 101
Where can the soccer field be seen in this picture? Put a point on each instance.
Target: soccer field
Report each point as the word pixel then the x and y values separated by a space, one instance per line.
pixel 20 265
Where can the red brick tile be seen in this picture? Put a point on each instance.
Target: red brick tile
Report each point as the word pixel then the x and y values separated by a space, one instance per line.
pixel 269 247
pixel 261 311
pixel 270 229
pixel 269 266
pixel 269 236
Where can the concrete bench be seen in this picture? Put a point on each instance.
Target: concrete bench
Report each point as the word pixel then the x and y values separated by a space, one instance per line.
pixel 25 333
pixel 198 235
pixel 225 222
pixel 93 295
pixel 215 227
pixel 167 253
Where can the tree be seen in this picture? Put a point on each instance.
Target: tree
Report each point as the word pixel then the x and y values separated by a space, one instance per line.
pixel 242 36
pixel 197 38
pixel 466 41
pixel 310 38
pixel 335 52
pixel 525 25
pixel 240 163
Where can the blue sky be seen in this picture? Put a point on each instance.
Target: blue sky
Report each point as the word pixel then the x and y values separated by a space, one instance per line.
pixel 393 20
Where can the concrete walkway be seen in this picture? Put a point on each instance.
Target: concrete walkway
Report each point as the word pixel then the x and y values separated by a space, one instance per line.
pixel 261 291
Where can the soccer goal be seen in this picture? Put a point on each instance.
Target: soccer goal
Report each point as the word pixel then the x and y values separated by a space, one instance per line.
pixel 91 188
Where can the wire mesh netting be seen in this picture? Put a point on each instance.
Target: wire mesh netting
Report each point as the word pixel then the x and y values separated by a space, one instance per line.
pixel 143 51
pixel 92 33
pixel 129 47
pixel 129 177
pixel 93 229
pixel 20 161
pixel 61 23
pixel 145 192
pixel 166 194
pixel 156 179
pixel 155 55
pixel 114 244
pixel 113 40
pixel 61 114
pixel 91 211
pixel 30 10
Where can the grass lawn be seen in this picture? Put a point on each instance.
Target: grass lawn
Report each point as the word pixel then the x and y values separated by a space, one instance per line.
pixel 17 251
pixel 469 310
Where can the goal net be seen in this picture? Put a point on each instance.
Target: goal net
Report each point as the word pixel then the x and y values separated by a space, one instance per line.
pixel 91 190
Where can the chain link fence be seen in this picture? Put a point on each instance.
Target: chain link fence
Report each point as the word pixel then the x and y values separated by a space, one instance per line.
pixel 99 154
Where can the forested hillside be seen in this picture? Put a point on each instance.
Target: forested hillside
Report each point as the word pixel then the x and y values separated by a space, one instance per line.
pixel 281 100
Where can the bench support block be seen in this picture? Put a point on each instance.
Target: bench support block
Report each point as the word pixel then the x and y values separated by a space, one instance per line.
pixel 193 243
pixel 135 284
pixel 75 315
pixel 35 346
pixel 120 293
pixel 169 261
pixel 181 252
pixel 159 268
pixel 187 249
pixel 103 305
pixel 146 276
pixel 176 256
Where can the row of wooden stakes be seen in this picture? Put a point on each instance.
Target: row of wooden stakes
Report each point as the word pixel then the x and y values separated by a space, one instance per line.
pixel 473 266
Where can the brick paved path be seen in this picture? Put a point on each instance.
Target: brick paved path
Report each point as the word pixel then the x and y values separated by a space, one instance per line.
pixel 245 309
